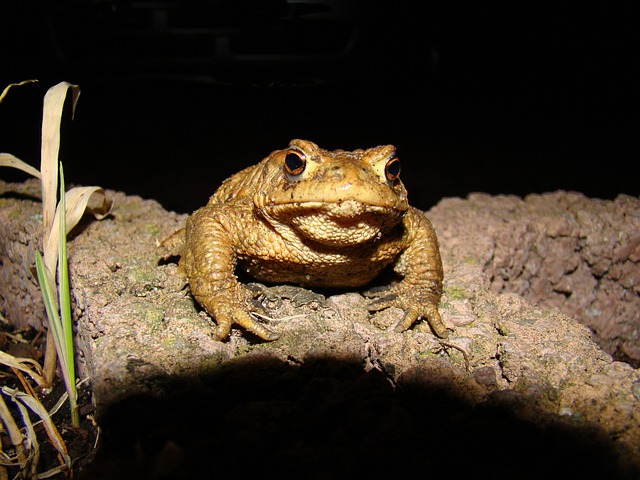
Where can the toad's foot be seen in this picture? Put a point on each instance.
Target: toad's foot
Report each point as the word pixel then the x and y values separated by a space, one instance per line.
pixel 230 308
pixel 416 302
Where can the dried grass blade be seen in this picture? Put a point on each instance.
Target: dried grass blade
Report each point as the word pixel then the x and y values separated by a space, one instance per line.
pixel 15 435
pixel 54 471
pixel 51 117
pixel 8 87
pixel 8 160
pixel 19 364
pixel 36 407
pixel 31 439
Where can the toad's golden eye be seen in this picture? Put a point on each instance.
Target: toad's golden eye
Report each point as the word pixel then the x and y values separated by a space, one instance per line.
pixel 294 162
pixel 392 169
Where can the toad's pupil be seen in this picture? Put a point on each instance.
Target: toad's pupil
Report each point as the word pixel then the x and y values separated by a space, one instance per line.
pixel 294 163
pixel 393 169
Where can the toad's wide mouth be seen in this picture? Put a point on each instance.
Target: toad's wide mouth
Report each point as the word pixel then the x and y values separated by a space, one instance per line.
pixel 345 223
pixel 343 209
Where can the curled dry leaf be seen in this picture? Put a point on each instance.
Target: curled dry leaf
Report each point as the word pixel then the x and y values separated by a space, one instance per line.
pixel 76 203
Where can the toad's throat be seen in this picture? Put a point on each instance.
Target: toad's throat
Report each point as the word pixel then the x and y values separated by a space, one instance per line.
pixel 341 224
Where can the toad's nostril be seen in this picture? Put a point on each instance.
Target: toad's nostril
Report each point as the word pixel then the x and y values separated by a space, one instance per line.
pixel 336 173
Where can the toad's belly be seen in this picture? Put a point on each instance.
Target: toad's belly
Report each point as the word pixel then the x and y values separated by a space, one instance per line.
pixel 318 274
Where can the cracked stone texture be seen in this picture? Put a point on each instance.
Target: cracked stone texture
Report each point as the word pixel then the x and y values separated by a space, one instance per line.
pixel 560 250
pixel 138 329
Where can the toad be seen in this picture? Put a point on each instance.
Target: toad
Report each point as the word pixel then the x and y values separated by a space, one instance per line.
pixel 316 218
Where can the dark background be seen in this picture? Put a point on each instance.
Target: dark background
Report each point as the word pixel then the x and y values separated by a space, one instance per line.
pixel 176 96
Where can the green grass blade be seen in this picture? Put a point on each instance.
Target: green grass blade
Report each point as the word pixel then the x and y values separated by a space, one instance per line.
pixel 65 305
pixel 63 275
pixel 48 294
pixel 50 303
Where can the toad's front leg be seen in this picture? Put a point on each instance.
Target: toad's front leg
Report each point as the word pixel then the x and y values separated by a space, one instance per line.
pixel 209 260
pixel 419 292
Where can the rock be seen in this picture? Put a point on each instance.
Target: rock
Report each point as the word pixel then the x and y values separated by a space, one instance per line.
pixel 511 363
pixel 560 250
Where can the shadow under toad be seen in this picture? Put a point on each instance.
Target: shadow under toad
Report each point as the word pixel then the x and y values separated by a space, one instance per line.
pixel 330 419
